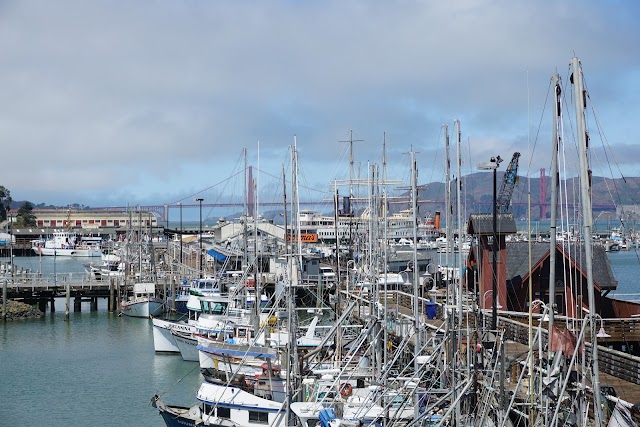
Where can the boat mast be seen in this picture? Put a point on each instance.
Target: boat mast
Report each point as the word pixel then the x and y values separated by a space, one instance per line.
pixel 293 281
pixel 416 300
pixel 385 247
pixel 338 352
pixel 460 225
pixel 291 364
pixel 556 139
pixel 447 215
pixel 459 260
pixel 587 217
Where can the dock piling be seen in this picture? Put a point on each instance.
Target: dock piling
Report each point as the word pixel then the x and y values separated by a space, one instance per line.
pixel 4 299
pixel 112 301
pixel 67 300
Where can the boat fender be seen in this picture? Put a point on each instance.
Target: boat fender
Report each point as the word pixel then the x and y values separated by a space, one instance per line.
pixel 345 389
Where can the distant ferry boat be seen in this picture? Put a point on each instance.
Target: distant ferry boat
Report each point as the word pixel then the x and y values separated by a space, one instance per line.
pixel 399 225
pixel 65 243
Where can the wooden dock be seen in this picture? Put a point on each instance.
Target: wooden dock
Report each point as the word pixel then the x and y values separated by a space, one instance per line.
pixel 618 369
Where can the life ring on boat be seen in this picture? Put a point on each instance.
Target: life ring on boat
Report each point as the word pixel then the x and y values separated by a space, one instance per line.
pixel 345 389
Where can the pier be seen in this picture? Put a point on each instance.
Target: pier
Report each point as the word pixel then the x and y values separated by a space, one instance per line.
pixel 42 290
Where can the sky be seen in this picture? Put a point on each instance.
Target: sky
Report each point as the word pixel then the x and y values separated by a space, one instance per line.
pixel 152 102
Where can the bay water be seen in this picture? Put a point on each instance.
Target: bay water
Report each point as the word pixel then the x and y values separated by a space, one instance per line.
pixel 97 368
pixel 100 369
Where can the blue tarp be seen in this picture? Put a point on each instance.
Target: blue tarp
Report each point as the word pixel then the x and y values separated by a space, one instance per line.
pixel 218 256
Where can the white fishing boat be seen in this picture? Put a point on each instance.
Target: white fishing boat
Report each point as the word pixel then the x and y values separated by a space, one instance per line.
pixel 143 303
pixel 65 243
pixel 224 406
pixel 163 339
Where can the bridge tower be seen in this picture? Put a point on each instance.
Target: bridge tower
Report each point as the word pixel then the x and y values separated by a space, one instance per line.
pixel 250 194
pixel 543 194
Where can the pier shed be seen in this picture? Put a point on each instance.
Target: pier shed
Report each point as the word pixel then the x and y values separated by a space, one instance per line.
pixel 571 294
pixel 481 255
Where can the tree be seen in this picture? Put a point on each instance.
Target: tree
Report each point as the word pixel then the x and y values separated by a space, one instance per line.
pixel 25 217
pixel 5 202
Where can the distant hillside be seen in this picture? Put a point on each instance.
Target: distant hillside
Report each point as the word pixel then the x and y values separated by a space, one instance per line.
pixel 477 194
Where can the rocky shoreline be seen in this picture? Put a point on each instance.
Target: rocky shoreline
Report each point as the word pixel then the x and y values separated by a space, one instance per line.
pixel 18 311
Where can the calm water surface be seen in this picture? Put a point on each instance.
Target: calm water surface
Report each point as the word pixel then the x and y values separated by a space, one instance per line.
pixel 97 369
pixel 101 369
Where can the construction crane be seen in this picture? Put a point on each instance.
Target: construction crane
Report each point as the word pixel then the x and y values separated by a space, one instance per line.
pixel 509 181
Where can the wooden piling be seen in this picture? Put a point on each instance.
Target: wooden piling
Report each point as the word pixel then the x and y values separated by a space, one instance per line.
pixel 4 299
pixel 67 300
pixel 119 295
pixel 165 299
pixel 77 303
pixel 111 303
pixel 173 294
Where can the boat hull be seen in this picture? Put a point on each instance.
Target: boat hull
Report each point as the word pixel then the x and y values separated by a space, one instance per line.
pixel 75 252
pixel 142 308
pixel 163 341
pixel 187 346
pixel 172 420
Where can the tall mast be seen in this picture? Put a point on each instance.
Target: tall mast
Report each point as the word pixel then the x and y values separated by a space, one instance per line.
pixel 256 272
pixel 244 214
pixel 338 353
pixel 585 192
pixel 416 301
pixel 296 200
pixel 385 245
pixel 555 142
pixel 459 220
pixel 447 208
pixel 458 261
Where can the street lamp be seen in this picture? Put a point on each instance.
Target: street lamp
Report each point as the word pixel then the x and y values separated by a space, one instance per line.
pixel 601 332
pixel 493 165
pixel 200 200
pixel 484 299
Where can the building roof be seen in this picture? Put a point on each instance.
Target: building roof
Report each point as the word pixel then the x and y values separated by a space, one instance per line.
pixel 518 261
pixel 482 224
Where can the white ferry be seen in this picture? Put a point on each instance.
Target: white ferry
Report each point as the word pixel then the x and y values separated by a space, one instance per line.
pixel 65 243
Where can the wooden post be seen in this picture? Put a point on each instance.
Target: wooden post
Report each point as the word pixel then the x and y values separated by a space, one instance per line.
pixel 112 301
pixel 77 303
pixel 67 301
pixel 164 295
pixel 4 299
pixel 173 293
pixel 93 304
pixel 119 295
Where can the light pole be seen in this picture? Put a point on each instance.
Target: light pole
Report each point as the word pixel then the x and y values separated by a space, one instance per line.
pixel 493 165
pixel 200 200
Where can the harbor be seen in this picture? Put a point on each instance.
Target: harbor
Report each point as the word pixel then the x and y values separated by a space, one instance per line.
pixel 97 361
pixel 375 313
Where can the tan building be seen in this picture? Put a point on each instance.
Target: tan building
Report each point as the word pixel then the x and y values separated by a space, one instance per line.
pixel 88 219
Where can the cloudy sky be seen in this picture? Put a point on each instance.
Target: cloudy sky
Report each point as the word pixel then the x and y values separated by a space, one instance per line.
pixel 109 103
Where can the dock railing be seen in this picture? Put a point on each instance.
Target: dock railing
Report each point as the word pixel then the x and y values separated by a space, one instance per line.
pixel 46 282
pixel 613 362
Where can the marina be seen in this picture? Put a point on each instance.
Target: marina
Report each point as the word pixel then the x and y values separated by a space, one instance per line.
pixel 366 316
pixel 89 377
